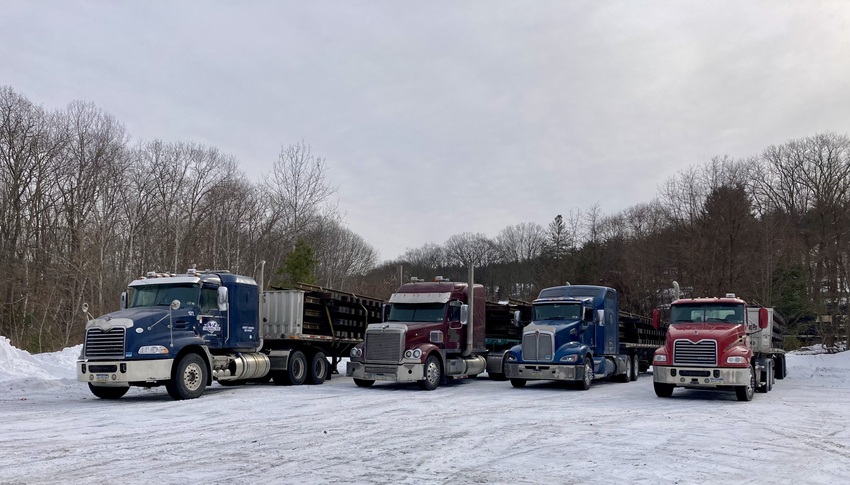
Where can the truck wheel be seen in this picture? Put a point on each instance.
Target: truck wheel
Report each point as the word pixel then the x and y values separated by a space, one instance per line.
pixel 587 380
pixel 635 368
pixel 104 392
pixel 745 393
pixel 433 373
pixel 626 376
pixel 363 382
pixel 296 372
pixel 188 379
pixel 663 390
pixel 318 369
pixel 518 382
pixel 780 370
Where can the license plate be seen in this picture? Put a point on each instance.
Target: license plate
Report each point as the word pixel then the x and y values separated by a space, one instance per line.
pixel 101 377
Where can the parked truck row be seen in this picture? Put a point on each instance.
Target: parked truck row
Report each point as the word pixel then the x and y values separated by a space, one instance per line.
pixel 186 331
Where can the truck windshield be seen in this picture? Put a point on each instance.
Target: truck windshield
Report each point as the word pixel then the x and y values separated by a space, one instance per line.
pixel 556 311
pixel 723 313
pixel 163 295
pixel 417 312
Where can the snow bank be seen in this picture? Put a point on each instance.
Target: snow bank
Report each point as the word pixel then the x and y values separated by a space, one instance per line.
pixel 17 365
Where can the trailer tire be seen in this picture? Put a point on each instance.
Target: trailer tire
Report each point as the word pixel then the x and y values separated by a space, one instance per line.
pixel 745 393
pixel 663 390
pixel 318 368
pixel 296 371
pixel 518 382
pixel 433 374
pixel 363 382
pixel 635 367
pixel 779 369
pixel 104 392
pixel 586 380
pixel 625 376
pixel 189 378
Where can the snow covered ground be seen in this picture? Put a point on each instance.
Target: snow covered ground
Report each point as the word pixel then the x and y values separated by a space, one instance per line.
pixel 470 431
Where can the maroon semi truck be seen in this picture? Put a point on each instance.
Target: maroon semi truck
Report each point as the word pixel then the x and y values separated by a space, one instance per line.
pixel 435 331
pixel 718 344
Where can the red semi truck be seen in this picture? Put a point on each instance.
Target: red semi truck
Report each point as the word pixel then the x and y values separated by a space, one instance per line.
pixel 437 331
pixel 718 344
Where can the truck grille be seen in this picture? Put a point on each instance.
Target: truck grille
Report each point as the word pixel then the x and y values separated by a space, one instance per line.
pixel 702 353
pixel 538 346
pixel 384 346
pixel 105 345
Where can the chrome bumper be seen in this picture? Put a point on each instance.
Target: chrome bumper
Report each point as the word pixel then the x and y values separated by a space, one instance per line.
pixel 386 372
pixel 109 373
pixel 549 372
pixel 696 376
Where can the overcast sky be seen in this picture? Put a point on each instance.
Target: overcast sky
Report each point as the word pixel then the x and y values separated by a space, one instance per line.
pixel 437 118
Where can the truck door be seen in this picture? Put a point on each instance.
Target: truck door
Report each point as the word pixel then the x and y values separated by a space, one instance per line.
pixel 455 329
pixel 213 322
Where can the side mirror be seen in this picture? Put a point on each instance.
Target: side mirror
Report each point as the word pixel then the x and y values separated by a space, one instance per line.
pixel 175 304
pixel 464 314
pixel 763 318
pixel 123 300
pixel 85 308
pixel 656 319
pixel 385 312
pixel 588 315
pixel 517 318
pixel 601 317
pixel 222 298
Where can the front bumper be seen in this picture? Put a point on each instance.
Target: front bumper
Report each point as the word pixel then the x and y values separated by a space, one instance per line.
pixel 386 372
pixel 548 372
pixel 705 377
pixel 123 372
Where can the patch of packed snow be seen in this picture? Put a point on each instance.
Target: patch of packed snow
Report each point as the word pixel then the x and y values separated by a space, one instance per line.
pixel 468 431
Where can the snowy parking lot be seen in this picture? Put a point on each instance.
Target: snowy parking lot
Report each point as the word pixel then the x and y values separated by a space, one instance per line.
pixel 469 431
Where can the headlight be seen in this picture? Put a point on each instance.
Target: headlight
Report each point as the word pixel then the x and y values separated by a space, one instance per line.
pixel 736 359
pixel 659 358
pixel 417 354
pixel 569 358
pixel 511 358
pixel 152 349
pixel 408 354
pixel 356 352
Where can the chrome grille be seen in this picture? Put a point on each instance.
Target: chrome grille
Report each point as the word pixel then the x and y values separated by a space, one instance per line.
pixel 702 353
pixel 538 346
pixel 105 345
pixel 384 346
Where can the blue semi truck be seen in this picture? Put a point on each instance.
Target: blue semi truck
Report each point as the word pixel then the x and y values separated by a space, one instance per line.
pixel 578 334
pixel 185 331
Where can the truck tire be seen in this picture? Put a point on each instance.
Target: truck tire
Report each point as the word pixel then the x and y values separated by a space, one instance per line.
pixel 296 371
pixel 779 368
pixel 635 368
pixel 189 378
pixel 586 381
pixel 745 393
pixel 363 382
pixel 627 375
pixel 433 374
pixel 104 392
pixel 663 390
pixel 518 382
pixel 318 369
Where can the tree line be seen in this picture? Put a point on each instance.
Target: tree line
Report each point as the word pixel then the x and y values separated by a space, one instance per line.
pixel 83 210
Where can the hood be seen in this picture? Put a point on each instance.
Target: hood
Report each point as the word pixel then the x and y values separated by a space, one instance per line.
pixel 138 316
pixel 723 333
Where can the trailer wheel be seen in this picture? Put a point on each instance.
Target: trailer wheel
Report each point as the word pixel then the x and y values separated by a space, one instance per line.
pixel 745 393
pixel 625 376
pixel 296 371
pixel 433 373
pixel 635 367
pixel 318 368
pixel 518 382
pixel 587 380
pixel 363 382
pixel 780 370
pixel 104 392
pixel 663 390
pixel 188 379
